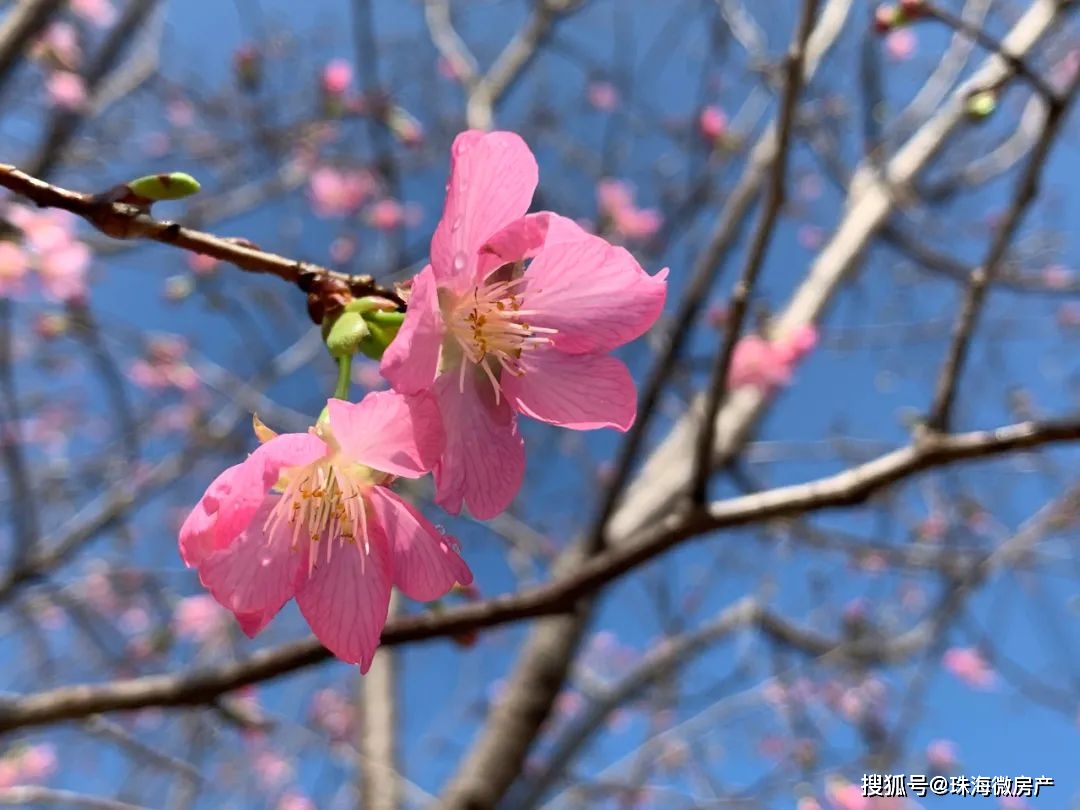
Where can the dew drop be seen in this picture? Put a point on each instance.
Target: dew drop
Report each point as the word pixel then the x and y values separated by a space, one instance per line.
pixel 459 261
pixel 457 225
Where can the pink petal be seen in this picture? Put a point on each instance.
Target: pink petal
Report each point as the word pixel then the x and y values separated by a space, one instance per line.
pixel 255 575
pixel 522 238
pixel 233 498
pixel 411 360
pixel 426 566
pixel 484 461
pixel 594 293
pixel 388 431
pixel 492 179
pixel 581 392
pixel 347 599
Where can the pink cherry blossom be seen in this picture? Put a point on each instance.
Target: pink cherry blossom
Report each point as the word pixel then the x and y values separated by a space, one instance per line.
pixel 901 44
pixel 337 77
pixel 201 264
pixel 768 365
pixel 968 665
pixel 66 89
pixel 37 763
pixel 97 12
pixel 941 755
pixel 843 795
pixel 198 617
pixel 615 199
pixel 493 338
pixel 295 801
pixel 712 123
pixel 63 271
pixel 336 193
pixel 311 516
pixel 13 268
pixel 602 95
pixel 388 214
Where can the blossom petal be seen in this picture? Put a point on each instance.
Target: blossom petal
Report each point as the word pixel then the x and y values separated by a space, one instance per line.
pixel 233 498
pixel 594 293
pixel 388 431
pixel 484 461
pixel 411 360
pixel 426 565
pixel 255 575
pixel 492 179
pixel 346 599
pixel 522 238
pixel 579 391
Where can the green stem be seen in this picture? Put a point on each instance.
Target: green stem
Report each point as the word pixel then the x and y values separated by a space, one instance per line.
pixel 344 377
pixel 382 317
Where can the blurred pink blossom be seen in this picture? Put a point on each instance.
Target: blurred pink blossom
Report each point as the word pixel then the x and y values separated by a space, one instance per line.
pixel 295 801
pixel 337 77
pixel 602 95
pixel 388 214
pixel 615 199
pixel 941 755
pixel 66 89
pixel 180 112
pixel 63 271
pixel 768 365
pixel 199 617
pixel 712 123
pixel 336 193
pixel 272 769
pixel 342 249
pixel 201 264
pixel 843 795
pixel 1057 276
pixel 901 44
pixel 37 763
pixel 332 712
pixel 13 268
pixel 968 665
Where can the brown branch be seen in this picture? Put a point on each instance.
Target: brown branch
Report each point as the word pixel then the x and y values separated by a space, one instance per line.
pixel 122 221
pixel 21 24
pixel 848 488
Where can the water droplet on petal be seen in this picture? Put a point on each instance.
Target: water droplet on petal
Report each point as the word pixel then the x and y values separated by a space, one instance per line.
pixel 439 528
pixel 459 261
pixel 457 224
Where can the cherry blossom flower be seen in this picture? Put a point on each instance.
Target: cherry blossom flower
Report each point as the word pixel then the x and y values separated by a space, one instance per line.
pixel 712 123
pixel 311 516
pixel 843 795
pixel 768 365
pixel 615 199
pixel 968 665
pixel 388 214
pixel 337 77
pixel 941 756
pixel 493 338
pixel 602 95
pixel 13 268
pixel 66 89
pixel 62 271
pixel 336 193
pixel 901 44
pixel 198 617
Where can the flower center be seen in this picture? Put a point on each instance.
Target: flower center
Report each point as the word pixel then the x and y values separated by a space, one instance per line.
pixel 324 503
pixel 492 329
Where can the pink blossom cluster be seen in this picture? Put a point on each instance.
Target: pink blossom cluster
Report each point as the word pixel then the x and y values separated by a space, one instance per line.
pixel 164 366
pixel 50 250
pixel 27 764
pixel 615 199
pixel 516 315
pixel 769 364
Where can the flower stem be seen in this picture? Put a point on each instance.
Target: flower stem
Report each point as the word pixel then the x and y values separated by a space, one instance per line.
pixel 344 377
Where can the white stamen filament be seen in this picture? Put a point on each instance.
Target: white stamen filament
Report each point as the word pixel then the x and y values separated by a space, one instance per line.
pixel 492 332
pixel 323 503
